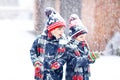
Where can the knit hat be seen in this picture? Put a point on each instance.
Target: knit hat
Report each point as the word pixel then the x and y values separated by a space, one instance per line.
pixel 54 20
pixel 76 26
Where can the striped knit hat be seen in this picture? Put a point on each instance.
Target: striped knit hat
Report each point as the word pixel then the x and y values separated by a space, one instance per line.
pixel 54 20
pixel 76 27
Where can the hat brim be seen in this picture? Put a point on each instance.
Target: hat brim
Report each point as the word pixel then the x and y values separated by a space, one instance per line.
pixel 78 33
pixel 55 25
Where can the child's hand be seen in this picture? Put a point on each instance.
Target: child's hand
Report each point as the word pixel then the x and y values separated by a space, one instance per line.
pixel 77 53
pixel 38 70
pixel 55 65
pixel 93 56
pixel 77 77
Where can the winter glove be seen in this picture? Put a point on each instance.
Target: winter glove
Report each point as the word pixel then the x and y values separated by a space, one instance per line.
pixel 93 56
pixel 77 77
pixel 38 70
pixel 77 53
pixel 55 65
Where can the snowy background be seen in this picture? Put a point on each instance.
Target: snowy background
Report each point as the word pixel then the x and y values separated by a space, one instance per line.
pixel 15 43
pixel 16 38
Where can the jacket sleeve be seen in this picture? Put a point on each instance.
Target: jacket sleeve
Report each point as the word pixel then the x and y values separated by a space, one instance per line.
pixel 62 52
pixel 33 52
pixel 62 60
pixel 82 61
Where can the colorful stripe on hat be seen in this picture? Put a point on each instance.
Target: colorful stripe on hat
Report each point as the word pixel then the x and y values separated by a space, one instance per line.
pixel 55 25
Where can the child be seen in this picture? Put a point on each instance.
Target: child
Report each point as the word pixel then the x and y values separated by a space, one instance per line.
pixel 78 53
pixel 48 47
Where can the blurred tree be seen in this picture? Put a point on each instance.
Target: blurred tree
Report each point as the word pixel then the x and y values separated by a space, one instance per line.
pixel 39 15
pixel 107 14
pixel 102 17
pixel 68 7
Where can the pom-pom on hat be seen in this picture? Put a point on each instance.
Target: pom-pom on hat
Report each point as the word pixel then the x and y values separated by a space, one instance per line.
pixel 76 27
pixel 54 20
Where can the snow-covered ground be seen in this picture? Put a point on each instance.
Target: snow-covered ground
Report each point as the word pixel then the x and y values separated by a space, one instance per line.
pixel 15 43
pixel 106 68
pixel 16 39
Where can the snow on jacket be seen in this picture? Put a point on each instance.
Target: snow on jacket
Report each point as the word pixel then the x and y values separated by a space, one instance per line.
pixel 47 50
pixel 77 65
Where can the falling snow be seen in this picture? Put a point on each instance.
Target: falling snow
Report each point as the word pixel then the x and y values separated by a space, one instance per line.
pixel 16 40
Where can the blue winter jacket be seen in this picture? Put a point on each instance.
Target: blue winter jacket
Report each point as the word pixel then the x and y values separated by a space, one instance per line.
pixel 47 50
pixel 77 65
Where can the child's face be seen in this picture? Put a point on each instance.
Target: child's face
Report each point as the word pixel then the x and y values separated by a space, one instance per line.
pixel 58 32
pixel 81 37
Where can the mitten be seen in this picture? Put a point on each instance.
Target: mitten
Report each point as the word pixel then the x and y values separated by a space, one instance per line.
pixel 77 53
pixel 93 56
pixel 55 65
pixel 38 70
pixel 77 77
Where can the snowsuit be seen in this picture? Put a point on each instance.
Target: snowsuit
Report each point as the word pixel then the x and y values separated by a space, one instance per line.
pixel 47 50
pixel 77 65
